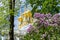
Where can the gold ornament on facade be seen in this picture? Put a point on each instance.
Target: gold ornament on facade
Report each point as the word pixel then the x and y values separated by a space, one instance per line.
pixel 25 18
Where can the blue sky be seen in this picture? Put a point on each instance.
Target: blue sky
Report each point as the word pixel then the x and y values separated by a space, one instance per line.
pixel 16 22
pixel 22 0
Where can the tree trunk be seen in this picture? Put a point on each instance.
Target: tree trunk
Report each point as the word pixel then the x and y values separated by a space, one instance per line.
pixel 12 6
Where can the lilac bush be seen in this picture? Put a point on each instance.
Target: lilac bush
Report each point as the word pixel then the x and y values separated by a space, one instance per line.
pixel 47 27
pixel 48 19
pixel 45 20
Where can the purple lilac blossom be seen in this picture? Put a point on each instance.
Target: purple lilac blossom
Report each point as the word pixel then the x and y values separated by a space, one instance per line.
pixel 56 15
pixel 48 15
pixel 56 18
pixel 41 20
pixel 42 16
pixel 46 23
pixel 38 15
pixel 30 28
pixel 50 21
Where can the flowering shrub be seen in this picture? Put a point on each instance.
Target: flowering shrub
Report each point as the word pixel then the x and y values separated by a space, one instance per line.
pixel 30 28
pixel 47 27
pixel 47 19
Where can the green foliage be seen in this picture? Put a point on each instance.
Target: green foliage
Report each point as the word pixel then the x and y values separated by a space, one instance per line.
pixel 4 15
pixel 45 6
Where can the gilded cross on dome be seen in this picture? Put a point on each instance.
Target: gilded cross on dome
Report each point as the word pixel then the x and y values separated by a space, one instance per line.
pixel 25 18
